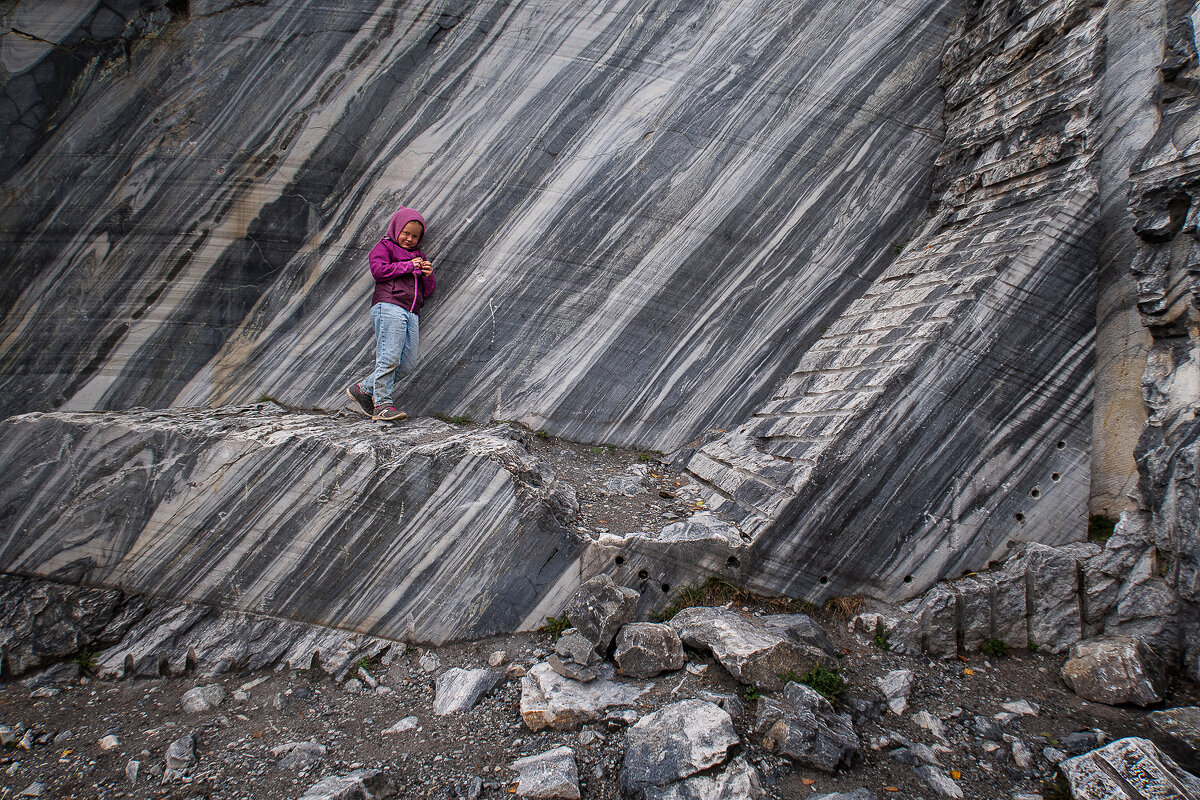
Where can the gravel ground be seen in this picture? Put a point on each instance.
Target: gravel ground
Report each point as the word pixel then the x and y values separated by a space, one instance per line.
pixel 442 755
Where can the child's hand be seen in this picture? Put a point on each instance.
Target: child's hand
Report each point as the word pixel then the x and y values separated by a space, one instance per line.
pixel 426 268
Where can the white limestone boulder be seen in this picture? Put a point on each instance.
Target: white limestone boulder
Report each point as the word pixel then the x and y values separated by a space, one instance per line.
pixel 739 781
pixel 551 775
pixel 672 744
pixel 202 698
pixel 895 687
pixel 1115 670
pixel 460 689
pixel 550 700
pixel 754 651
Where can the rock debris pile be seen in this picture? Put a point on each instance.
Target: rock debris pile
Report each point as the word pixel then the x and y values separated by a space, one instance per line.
pixel 716 703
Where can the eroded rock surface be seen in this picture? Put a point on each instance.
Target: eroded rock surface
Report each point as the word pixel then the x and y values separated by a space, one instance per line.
pixel 269 511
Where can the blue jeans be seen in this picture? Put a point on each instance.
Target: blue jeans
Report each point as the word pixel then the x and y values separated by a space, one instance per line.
pixel 396 334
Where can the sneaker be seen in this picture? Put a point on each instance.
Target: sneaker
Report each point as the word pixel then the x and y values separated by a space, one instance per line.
pixel 365 402
pixel 388 414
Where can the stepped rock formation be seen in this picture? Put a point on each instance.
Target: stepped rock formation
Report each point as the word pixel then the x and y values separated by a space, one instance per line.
pixel 845 261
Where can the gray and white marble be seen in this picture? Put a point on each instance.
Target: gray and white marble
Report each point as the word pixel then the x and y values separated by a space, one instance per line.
pixel 841 258
pixel 641 215
pixel 417 532
pixel 946 413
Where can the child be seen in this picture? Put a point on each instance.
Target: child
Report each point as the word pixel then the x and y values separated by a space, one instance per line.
pixel 403 279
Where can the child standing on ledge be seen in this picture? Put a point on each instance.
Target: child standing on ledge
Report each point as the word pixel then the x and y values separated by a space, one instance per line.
pixel 403 279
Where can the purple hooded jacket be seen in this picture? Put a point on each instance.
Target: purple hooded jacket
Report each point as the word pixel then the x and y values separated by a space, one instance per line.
pixel 397 281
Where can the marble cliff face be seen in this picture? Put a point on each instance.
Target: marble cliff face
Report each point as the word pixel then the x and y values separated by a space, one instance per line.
pixel 841 259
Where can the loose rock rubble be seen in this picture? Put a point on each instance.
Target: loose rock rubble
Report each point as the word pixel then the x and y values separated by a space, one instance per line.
pixel 694 713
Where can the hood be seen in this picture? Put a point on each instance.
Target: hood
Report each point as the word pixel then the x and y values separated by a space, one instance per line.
pixel 402 218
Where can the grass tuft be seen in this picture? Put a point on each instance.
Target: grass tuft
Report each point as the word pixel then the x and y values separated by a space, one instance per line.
pixel 995 648
pixel 844 608
pixel 555 626
pixel 1056 789
pixel 880 639
pixel 824 681
pixel 87 662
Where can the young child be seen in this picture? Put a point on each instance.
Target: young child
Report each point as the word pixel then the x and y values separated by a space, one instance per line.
pixel 403 279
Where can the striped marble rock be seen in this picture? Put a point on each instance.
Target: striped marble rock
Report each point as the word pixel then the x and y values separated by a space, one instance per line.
pixel 676 225
pixel 946 414
pixel 414 532
pixel 641 215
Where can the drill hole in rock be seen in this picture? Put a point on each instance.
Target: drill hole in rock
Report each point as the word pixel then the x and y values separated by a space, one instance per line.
pixel 643 574
pixel 1035 492
pixel 1019 517
pixel 619 560
pixel 1055 477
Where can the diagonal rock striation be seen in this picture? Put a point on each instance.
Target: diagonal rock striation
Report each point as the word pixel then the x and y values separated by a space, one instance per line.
pixel 416 532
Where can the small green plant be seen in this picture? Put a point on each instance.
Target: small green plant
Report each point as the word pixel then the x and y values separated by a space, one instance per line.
pixel 461 419
pixel 266 398
pixel 646 458
pixel 597 450
pixel 364 663
pixel 87 662
pixel 556 625
pixel 880 639
pixel 826 682
pixel 753 693
pixel 996 648
pixel 1101 527
pixel 541 434
pixel 1031 646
